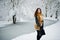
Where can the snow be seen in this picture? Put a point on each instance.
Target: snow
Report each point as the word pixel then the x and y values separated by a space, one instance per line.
pixel 3 23
pixel 50 18
pixel 24 10
pixel 46 20
pixel 9 31
pixel 52 33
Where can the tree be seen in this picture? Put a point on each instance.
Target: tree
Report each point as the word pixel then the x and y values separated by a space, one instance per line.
pixel 14 19
pixel 46 10
pixel 57 5
pixel 56 14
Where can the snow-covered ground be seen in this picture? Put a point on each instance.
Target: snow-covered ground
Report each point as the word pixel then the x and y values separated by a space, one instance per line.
pixel 3 23
pixel 52 33
pixel 9 31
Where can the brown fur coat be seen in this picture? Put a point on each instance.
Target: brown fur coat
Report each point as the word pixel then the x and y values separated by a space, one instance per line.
pixel 40 20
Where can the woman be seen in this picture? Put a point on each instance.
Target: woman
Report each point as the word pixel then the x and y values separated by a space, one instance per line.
pixel 39 23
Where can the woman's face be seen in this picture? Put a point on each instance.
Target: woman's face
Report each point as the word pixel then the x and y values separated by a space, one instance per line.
pixel 39 10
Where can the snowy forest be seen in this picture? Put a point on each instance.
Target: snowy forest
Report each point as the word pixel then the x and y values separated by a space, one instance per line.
pixel 24 10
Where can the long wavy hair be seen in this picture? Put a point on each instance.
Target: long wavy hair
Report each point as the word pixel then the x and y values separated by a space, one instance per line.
pixel 36 12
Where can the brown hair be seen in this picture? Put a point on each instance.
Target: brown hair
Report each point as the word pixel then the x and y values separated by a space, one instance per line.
pixel 36 12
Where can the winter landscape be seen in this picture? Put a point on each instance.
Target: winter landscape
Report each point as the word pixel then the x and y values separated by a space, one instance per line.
pixel 24 27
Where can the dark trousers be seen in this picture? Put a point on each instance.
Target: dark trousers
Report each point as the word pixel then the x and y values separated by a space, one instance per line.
pixel 38 35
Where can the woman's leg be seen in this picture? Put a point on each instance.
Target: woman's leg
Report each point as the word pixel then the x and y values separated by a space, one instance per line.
pixel 38 35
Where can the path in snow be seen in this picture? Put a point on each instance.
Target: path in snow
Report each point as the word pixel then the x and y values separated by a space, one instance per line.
pixel 52 33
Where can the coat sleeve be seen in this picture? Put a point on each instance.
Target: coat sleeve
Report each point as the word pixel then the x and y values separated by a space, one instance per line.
pixel 37 22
